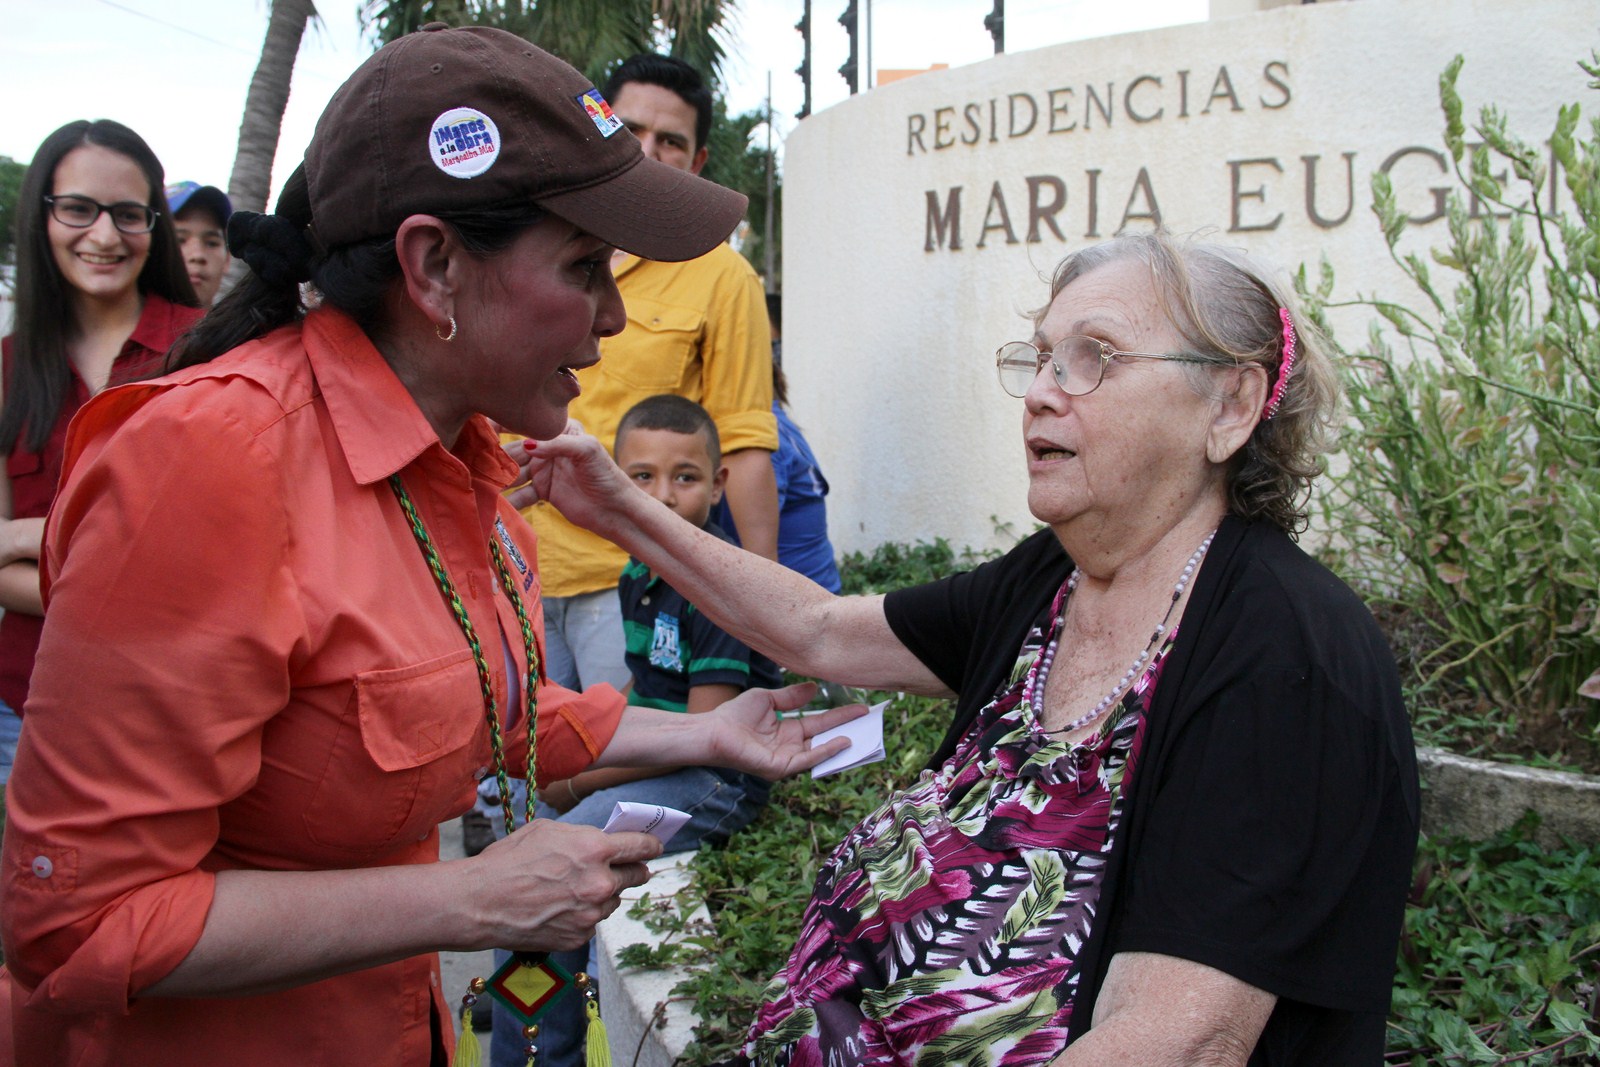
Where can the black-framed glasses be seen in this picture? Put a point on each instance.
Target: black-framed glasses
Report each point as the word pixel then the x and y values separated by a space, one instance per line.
pixel 80 213
pixel 1077 363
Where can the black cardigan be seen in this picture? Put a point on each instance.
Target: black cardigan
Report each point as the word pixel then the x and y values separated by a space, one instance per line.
pixel 1271 820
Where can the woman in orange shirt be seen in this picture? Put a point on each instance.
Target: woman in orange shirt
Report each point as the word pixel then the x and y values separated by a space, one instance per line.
pixel 292 619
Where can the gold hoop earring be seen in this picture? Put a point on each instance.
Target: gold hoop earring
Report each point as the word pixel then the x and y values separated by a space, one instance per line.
pixel 451 336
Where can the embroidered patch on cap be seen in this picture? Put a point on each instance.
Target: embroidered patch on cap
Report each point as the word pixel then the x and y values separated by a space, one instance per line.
pixel 604 119
pixel 464 142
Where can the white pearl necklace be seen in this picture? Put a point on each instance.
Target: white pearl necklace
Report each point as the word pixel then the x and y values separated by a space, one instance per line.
pixel 1048 656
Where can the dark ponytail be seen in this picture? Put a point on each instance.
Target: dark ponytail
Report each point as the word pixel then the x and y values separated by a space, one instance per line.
pixel 281 252
pixel 278 254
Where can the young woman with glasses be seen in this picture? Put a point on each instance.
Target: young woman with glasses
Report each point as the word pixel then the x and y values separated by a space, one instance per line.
pixel 101 294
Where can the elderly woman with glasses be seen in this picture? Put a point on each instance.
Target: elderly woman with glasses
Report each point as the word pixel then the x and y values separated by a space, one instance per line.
pixel 1174 818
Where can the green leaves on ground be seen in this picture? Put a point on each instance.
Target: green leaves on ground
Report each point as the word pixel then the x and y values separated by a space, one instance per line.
pixel 1500 960
pixel 757 887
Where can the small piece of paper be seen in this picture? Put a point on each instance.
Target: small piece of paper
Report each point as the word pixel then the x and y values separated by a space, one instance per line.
pixel 657 820
pixel 866 743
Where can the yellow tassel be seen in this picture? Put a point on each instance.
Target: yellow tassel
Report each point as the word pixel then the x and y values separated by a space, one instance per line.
pixel 468 1052
pixel 597 1046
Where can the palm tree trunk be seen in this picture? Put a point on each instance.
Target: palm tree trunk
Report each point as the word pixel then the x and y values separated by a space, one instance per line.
pixel 265 102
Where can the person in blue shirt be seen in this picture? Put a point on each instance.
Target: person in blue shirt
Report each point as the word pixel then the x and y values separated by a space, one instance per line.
pixel 803 543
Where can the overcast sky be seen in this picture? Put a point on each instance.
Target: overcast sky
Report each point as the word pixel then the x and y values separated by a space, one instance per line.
pixel 177 70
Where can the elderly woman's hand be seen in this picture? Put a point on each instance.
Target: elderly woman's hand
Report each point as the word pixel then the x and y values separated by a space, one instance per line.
pixel 546 886
pixel 573 472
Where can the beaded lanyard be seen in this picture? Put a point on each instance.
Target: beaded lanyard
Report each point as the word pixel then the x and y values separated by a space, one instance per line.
pixel 528 983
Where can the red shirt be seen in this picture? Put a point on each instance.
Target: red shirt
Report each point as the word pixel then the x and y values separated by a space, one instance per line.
pixel 248 664
pixel 34 474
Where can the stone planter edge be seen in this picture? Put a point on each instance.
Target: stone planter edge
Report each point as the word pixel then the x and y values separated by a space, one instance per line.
pixel 1478 798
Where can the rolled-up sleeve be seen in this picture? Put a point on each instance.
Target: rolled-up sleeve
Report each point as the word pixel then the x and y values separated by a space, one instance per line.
pixel 574 728
pixel 171 622
pixel 736 353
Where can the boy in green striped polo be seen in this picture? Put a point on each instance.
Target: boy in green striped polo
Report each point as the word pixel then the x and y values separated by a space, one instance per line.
pixel 679 659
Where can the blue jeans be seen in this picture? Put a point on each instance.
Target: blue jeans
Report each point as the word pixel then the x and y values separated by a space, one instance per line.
pixel 10 734
pixel 583 640
pixel 719 802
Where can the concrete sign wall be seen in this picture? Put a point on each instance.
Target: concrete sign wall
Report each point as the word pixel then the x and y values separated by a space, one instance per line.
pixel 922 220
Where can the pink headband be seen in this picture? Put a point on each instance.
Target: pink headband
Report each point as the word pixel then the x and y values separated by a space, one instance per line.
pixel 1285 367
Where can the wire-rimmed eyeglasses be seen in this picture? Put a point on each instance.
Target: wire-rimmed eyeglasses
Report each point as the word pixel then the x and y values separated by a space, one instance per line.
pixel 80 213
pixel 1077 363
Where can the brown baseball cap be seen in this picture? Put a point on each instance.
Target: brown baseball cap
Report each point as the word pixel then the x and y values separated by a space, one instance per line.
pixel 447 118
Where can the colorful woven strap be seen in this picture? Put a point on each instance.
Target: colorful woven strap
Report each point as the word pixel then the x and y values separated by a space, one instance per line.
pixel 485 681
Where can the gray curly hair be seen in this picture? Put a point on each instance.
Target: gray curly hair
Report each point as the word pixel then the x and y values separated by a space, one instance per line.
pixel 1223 305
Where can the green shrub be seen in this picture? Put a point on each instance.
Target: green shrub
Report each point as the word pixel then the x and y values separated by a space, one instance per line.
pixel 1500 960
pixel 1468 500
pixel 892 566
pixel 757 888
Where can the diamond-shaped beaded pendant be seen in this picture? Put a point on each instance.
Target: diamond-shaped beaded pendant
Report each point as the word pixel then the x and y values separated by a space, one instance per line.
pixel 528 984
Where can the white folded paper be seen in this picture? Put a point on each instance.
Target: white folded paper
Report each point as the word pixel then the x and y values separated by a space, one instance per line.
pixel 866 743
pixel 658 820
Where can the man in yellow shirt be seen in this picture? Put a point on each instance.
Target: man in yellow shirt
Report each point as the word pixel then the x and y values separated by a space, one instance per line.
pixel 698 330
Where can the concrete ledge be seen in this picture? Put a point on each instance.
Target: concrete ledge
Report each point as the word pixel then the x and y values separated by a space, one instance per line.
pixel 646 1027
pixel 1478 798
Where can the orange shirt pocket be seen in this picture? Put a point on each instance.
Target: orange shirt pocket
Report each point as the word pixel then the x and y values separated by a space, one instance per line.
pixel 403 757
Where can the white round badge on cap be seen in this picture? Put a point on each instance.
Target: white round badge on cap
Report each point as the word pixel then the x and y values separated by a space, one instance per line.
pixel 464 142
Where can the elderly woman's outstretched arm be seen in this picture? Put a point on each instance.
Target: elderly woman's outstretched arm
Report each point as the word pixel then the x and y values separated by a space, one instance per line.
pixel 764 604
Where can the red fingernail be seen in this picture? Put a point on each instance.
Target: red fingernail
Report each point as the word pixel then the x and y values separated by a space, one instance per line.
pixel 530 444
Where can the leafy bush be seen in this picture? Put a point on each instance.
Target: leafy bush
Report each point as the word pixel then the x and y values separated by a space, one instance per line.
pixel 1469 500
pixel 757 888
pixel 1500 961
pixel 893 566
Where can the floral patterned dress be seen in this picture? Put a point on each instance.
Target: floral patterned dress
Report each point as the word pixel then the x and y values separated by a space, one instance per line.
pixel 946 927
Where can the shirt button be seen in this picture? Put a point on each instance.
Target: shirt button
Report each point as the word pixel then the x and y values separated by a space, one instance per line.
pixel 42 867
pixel 480 774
